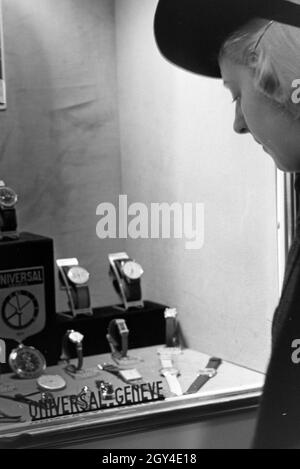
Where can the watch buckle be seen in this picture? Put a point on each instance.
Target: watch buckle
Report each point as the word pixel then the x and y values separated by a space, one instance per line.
pixel 210 372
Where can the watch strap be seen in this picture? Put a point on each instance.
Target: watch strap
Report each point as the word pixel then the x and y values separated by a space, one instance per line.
pixel 173 383
pixel 81 296
pixel 132 289
pixel 205 375
pixel 171 326
pixel 8 220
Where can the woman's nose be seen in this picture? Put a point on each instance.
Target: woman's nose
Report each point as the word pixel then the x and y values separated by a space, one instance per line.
pixel 240 126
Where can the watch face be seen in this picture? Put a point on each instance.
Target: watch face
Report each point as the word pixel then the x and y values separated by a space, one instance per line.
pixel 78 275
pixel 75 337
pixel 132 270
pixel 27 362
pixel 8 197
pixel 121 324
pixel 51 383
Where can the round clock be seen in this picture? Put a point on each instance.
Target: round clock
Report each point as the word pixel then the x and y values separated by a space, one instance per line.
pixel 27 362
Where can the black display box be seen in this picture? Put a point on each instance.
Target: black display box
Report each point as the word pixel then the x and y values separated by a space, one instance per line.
pixel 27 278
pixel 146 327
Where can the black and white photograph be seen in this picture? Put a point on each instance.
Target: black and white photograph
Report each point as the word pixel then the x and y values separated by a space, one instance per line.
pixel 149 228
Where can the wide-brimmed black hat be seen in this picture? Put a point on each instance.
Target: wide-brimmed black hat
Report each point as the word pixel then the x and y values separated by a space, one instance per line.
pixel 190 33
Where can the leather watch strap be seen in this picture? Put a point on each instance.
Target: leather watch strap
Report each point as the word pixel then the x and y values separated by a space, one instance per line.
pixel 204 375
pixel 133 290
pixel 171 326
pixel 8 220
pixel 81 296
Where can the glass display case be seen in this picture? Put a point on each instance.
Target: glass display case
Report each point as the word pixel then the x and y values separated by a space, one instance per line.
pixel 89 411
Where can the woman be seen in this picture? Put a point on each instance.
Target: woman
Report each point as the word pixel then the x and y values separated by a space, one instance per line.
pixel 254 45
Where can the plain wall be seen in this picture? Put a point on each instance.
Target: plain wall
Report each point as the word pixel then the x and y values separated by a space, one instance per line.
pixel 59 137
pixel 178 145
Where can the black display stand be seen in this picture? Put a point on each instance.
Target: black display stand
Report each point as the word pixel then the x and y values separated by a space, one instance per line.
pixel 146 327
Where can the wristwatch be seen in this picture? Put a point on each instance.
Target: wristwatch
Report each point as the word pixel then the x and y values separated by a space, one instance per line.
pixel 171 373
pixel 27 362
pixel 117 336
pixel 74 279
pixel 76 338
pixel 171 325
pixel 204 375
pixel 8 216
pixel 126 274
pixel 78 278
pixel 129 376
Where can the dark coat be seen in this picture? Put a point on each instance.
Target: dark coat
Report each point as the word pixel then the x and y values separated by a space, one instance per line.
pixel 278 424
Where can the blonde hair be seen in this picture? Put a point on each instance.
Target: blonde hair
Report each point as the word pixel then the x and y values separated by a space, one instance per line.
pixel 272 51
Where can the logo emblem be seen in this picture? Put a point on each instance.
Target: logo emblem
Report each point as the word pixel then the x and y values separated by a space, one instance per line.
pixel 22 302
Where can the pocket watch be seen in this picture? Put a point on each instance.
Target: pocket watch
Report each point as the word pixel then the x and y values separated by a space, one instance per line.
pixel 8 197
pixel 27 362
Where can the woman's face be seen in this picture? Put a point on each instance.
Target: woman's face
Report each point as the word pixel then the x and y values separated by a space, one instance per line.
pixel 255 113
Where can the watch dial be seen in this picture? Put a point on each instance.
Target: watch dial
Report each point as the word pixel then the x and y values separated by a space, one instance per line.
pixel 51 382
pixel 78 275
pixel 132 270
pixel 76 337
pixel 27 362
pixel 8 197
